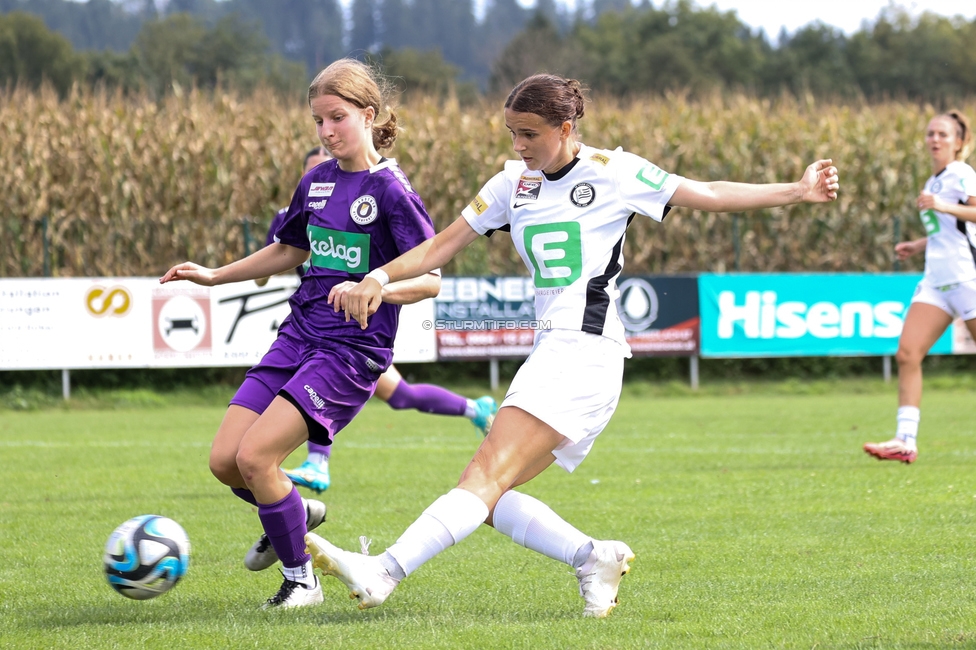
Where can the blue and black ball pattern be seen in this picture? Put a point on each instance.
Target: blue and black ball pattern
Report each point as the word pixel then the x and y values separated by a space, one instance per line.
pixel 146 556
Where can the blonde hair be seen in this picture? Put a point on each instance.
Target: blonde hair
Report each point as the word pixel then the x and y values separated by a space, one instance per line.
pixel 963 133
pixel 356 83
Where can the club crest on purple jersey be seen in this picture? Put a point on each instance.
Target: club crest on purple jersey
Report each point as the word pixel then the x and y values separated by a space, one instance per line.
pixel 364 210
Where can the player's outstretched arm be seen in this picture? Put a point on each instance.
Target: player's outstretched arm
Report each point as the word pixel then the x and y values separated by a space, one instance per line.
pixel 362 301
pixel 819 184
pixel 403 292
pixel 965 211
pixel 268 261
pixel 905 249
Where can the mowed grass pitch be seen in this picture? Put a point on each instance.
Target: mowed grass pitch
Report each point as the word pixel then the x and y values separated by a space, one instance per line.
pixel 756 519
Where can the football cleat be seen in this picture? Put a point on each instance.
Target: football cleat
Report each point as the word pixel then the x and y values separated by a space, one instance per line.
pixel 312 476
pixel 367 580
pixel 262 554
pixel 892 450
pixel 295 594
pixel 485 409
pixel 600 576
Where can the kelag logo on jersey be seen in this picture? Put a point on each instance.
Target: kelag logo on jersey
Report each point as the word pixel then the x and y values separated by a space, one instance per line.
pixel 338 250
pixel 804 314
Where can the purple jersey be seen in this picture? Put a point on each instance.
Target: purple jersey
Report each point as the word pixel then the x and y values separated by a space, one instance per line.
pixel 279 218
pixel 351 223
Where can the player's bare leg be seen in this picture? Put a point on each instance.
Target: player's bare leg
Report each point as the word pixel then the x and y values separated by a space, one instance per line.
pixel 923 326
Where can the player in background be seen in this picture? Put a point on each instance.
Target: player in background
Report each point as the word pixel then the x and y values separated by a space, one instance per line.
pixel 947 205
pixel 348 215
pixel 567 206
pixel 313 473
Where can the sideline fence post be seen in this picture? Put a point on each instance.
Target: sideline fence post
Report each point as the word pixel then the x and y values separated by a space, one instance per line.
pixel 886 368
pixel 493 373
pixel 735 240
pixel 246 227
pixel 46 243
pixel 65 383
pixel 693 371
pixel 896 236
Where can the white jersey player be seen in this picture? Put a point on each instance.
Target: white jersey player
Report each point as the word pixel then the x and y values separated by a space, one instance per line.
pixel 567 206
pixel 947 206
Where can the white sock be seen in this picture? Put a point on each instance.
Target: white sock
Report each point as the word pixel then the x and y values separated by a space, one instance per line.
pixel 534 525
pixel 908 417
pixel 471 409
pixel 444 523
pixel 316 458
pixel 302 574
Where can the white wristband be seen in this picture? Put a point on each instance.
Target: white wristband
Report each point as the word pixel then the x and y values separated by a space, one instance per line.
pixel 380 276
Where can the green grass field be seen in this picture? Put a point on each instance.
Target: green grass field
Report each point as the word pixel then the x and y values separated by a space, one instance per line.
pixel 757 521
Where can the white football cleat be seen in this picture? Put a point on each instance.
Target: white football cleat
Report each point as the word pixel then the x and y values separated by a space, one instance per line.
pixel 262 555
pixel 367 580
pixel 295 594
pixel 600 576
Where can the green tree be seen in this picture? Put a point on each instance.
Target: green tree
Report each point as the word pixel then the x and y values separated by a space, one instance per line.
pixel 414 71
pixel 31 54
pixel 538 48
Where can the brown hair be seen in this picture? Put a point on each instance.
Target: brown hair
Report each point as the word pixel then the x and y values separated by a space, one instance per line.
pixel 963 133
pixel 315 151
pixel 356 83
pixel 549 96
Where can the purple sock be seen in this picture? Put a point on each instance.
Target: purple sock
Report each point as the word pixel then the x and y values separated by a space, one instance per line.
pixel 428 398
pixel 325 450
pixel 284 522
pixel 245 494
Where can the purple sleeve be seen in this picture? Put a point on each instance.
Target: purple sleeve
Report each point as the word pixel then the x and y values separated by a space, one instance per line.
pixel 275 224
pixel 409 223
pixel 294 224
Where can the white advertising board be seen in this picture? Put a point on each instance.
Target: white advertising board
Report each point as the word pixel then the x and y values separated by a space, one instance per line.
pixel 54 323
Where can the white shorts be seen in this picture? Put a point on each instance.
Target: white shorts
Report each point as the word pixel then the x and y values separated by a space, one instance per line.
pixel 571 381
pixel 957 300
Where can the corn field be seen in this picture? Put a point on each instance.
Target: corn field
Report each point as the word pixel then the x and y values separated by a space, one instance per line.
pixel 98 184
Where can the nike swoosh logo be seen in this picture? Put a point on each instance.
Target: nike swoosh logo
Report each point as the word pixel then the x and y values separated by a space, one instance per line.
pixel 519 205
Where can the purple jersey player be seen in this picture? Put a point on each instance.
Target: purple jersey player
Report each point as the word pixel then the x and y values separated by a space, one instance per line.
pixel 391 388
pixel 348 216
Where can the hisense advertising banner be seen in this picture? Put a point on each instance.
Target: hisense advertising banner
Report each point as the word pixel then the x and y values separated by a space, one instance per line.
pixel 816 314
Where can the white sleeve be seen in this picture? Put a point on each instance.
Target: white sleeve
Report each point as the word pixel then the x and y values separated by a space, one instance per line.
pixel 489 209
pixel 644 187
pixel 967 181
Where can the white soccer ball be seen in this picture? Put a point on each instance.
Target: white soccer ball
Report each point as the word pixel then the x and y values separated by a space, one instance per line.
pixel 146 556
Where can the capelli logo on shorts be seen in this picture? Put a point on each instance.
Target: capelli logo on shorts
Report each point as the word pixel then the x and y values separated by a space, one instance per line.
pixel 318 401
pixel 321 189
pixel 317 205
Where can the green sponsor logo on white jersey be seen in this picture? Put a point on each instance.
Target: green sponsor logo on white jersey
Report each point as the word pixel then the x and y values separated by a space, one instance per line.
pixel 556 252
pixel 652 175
pixel 931 222
pixel 335 249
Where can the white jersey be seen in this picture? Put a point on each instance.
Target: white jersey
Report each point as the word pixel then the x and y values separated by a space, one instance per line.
pixel 950 254
pixel 569 230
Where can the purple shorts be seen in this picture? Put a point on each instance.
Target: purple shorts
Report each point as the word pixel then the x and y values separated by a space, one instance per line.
pixel 327 382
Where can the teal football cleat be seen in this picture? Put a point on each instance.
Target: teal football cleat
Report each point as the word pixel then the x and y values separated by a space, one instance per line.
pixel 314 477
pixel 484 415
